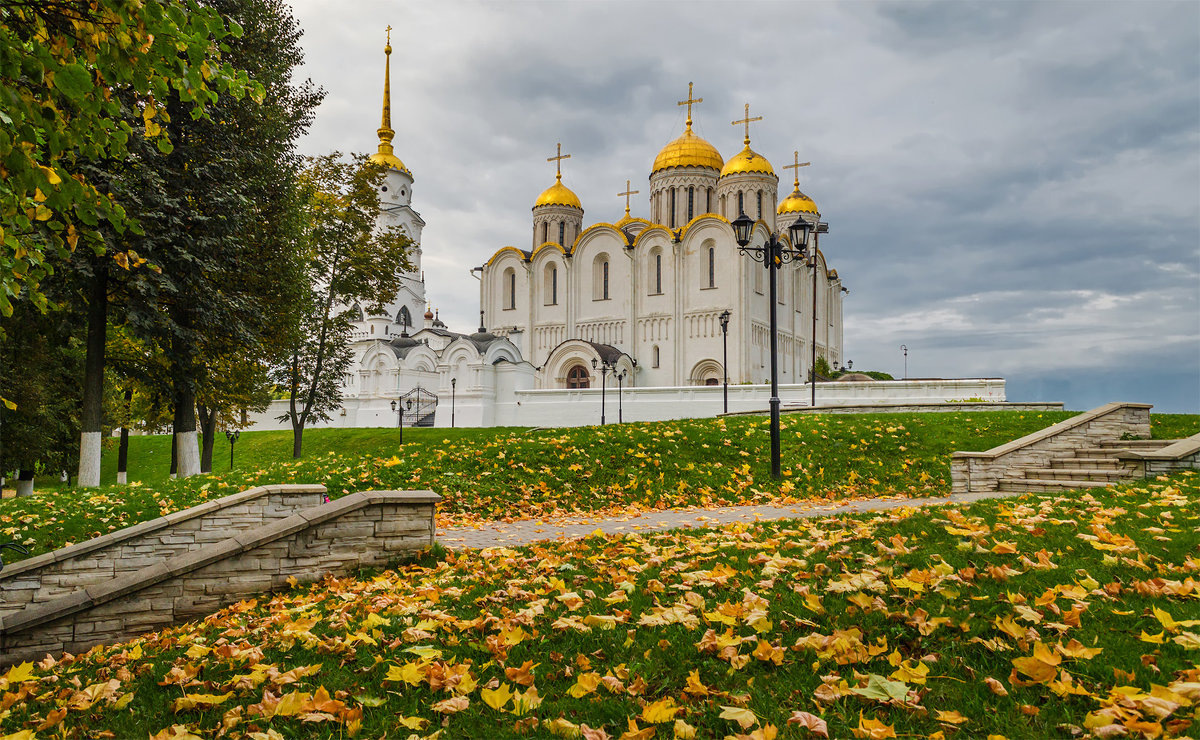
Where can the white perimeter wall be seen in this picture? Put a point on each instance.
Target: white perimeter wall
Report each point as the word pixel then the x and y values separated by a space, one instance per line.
pixel 568 408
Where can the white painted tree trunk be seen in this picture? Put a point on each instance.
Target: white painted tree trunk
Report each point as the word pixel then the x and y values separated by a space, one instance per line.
pixel 187 449
pixel 89 459
pixel 24 487
pixel 122 478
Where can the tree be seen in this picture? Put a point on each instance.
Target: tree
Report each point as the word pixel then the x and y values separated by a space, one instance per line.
pixel 349 262
pixel 60 63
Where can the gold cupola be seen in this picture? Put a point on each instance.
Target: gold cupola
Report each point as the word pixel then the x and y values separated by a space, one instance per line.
pixel 747 160
pixel 386 156
pixel 689 150
pixel 558 194
pixel 797 202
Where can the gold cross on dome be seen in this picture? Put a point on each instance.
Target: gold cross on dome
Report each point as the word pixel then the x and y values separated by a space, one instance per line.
pixel 557 160
pixel 389 35
pixel 798 164
pixel 747 120
pixel 689 102
pixel 628 193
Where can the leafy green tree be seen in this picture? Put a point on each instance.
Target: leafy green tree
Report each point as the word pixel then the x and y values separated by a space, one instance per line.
pixel 61 61
pixel 348 261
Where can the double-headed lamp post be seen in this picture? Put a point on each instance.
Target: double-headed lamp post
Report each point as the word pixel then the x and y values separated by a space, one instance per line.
pixel 605 369
pixel 772 254
pixel 399 407
pixel 724 319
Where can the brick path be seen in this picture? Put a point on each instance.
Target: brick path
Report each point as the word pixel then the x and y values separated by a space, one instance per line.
pixel 513 534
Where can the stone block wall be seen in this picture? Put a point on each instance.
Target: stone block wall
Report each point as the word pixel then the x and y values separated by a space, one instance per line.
pixel 980 471
pixel 55 574
pixel 366 529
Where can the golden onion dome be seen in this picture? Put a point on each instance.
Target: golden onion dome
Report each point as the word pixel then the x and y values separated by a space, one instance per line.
pixel 558 195
pixel 747 160
pixel 797 202
pixel 388 159
pixel 688 150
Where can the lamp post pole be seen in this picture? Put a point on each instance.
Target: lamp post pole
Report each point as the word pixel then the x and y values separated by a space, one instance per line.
pixel 604 368
pixel 232 437
pixel 453 385
pixel 399 408
pixel 772 254
pixel 904 347
pixel 724 318
pixel 620 396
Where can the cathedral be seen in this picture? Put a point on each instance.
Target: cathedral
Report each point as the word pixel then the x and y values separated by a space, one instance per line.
pixel 657 302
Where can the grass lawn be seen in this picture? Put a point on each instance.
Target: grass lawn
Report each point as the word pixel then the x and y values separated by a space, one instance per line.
pixel 487 474
pixel 1042 616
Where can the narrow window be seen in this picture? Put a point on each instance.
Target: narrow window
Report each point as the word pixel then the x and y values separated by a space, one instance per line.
pixel 654 356
pixel 760 204
pixel 691 201
pixel 708 201
pixel 562 232
pixel 553 285
pixel 741 204
pixel 545 231
pixel 658 273
pixel 672 208
pixel 712 267
pixel 605 271
pixel 512 289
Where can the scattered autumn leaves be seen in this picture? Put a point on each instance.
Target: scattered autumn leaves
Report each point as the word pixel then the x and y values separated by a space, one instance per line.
pixel 1042 616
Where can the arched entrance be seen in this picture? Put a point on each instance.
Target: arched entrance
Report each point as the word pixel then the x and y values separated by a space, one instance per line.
pixel 578 377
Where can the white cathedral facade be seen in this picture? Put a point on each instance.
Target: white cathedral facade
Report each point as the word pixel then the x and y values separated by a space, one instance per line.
pixel 633 306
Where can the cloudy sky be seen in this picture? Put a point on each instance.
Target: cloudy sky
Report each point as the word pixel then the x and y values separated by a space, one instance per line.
pixel 1012 188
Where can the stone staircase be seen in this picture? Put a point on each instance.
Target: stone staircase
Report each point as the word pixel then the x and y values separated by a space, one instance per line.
pixel 1104 464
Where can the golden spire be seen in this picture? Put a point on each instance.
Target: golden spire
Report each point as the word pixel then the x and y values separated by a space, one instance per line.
pixel 689 103
pixel 557 160
pixel 628 193
pixel 747 120
pixel 385 127
pixel 798 164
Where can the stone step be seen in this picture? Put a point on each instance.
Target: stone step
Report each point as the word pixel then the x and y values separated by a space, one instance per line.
pixel 1136 444
pixel 1107 462
pixel 1081 474
pixel 1042 485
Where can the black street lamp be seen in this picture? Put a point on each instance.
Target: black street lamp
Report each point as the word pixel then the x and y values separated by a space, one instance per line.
pixel 232 436
pixel 453 384
pixel 604 370
pixel 905 349
pixel 620 396
pixel 724 319
pixel 399 408
pixel 773 254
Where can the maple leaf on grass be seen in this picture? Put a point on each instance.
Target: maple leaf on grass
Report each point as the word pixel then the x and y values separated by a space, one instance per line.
pixel 810 722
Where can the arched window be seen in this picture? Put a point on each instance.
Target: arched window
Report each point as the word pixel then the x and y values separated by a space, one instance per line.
pixel 545 231
pixel 654 358
pixel 760 204
pixel 510 288
pixel 672 224
pixel 562 232
pixel 708 201
pixel 658 272
pixel 741 204
pixel 404 318
pixel 550 288
pixel 691 202
pixel 654 273
pixel 712 381
pixel 600 278
pixel 712 267
pixel 577 377
pixel 758 280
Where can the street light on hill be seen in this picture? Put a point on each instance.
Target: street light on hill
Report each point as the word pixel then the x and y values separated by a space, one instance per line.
pixel 724 319
pixel 605 369
pixel 772 254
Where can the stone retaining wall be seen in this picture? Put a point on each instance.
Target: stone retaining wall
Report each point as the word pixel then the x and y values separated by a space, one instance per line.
pixel 917 408
pixel 55 574
pixel 979 471
pixel 366 529
pixel 1182 455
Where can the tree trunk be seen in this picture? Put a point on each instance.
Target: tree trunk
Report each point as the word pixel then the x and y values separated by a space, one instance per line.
pixel 25 482
pixel 208 433
pixel 297 439
pixel 123 450
pixel 174 454
pixel 186 444
pixel 93 376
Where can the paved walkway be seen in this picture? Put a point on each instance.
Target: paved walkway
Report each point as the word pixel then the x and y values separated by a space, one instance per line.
pixel 523 532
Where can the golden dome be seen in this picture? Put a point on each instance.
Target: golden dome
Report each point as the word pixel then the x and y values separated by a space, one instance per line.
pixel 558 195
pixel 688 150
pixel 747 160
pixel 388 159
pixel 797 202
